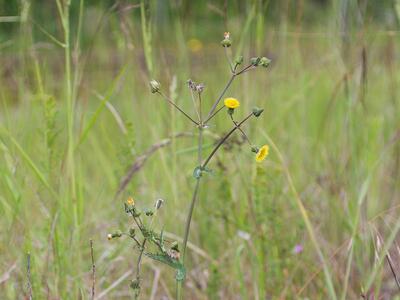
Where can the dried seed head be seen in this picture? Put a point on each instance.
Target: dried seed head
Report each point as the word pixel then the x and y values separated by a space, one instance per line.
pixel 154 86
pixel 200 87
pixel 159 203
pixel 191 84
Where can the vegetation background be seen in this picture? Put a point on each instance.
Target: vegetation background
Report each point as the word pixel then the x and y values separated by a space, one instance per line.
pixel 76 113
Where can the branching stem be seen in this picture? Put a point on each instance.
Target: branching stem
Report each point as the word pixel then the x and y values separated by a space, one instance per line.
pixel 178 108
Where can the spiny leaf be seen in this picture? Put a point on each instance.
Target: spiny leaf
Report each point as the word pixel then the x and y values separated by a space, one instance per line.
pixel 173 263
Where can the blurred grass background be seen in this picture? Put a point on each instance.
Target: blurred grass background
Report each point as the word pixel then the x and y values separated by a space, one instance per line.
pixel 331 107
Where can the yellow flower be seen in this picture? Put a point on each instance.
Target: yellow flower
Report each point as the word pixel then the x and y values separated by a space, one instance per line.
pixel 130 201
pixel 262 153
pixel 231 102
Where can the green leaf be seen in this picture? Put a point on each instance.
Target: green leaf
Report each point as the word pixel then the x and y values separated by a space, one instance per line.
pixel 173 263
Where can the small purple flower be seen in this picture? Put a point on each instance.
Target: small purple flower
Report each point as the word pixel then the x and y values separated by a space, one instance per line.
pixel 298 249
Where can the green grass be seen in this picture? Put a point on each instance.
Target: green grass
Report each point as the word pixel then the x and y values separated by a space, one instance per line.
pixel 335 151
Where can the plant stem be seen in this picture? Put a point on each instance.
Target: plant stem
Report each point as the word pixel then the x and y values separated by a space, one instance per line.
pixel 212 116
pixel 240 129
pixel 224 139
pixel 220 97
pixel 196 191
pixel 228 59
pixel 178 108
pixel 191 209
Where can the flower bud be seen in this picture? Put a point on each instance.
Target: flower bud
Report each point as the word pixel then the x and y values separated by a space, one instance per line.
pixel 226 43
pixel 135 284
pixel 149 212
pixel 132 232
pixel 231 111
pixel 239 60
pixel 255 61
pixel 257 111
pixel 254 149
pixel 116 234
pixel 154 86
pixel 264 61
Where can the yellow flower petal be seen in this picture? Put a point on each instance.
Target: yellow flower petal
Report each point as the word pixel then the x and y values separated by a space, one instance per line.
pixel 231 102
pixel 262 153
pixel 130 201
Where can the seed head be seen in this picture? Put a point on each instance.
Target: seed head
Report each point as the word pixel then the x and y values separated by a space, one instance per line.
pixel 154 86
pixel 159 203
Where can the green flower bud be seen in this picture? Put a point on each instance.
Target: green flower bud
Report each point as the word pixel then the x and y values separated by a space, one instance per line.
pixel 226 43
pixel 135 284
pixel 257 111
pixel 132 232
pixel 264 61
pixel 239 60
pixel 197 172
pixel 116 234
pixel 149 213
pixel 231 111
pixel 255 149
pixel 255 61
pixel 154 86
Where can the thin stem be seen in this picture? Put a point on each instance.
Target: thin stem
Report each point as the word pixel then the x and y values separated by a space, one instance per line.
pixel 190 214
pixel 139 261
pixel 248 68
pixel 93 270
pixel 178 108
pixel 224 139
pixel 189 218
pixel 28 275
pixel 213 115
pixel 220 97
pixel 228 59
pixel 200 110
pixel 194 104
pixel 240 129
pixel 70 111
pixel 393 272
